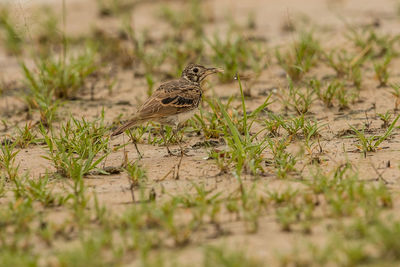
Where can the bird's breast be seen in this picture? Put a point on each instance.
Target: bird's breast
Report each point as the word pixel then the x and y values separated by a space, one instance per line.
pixel 184 116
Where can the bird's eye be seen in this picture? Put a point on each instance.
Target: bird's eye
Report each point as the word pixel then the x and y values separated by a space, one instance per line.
pixel 195 70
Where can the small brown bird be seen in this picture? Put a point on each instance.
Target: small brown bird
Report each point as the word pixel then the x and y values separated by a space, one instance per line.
pixel 173 102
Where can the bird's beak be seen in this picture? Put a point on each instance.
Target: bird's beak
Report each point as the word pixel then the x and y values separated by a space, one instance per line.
pixel 213 70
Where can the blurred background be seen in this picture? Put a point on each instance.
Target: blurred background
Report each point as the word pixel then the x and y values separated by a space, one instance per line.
pixel 72 70
pixel 107 41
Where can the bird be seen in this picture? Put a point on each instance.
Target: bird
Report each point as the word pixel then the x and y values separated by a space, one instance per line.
pixel 173 102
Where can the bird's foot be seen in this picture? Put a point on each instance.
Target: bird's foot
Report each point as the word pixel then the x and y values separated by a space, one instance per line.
pixel 177 167
pixel 177 154
pixel 170 153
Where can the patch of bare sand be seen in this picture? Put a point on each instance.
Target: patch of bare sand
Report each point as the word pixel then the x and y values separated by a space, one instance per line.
pixel 113 191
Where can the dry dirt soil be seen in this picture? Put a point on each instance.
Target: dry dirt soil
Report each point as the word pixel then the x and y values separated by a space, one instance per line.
pixel 336 144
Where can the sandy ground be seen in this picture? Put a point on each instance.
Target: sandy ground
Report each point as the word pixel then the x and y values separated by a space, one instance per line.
pixel 329 18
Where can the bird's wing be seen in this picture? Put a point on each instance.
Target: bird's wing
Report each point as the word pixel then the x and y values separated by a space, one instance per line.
pixel 169 99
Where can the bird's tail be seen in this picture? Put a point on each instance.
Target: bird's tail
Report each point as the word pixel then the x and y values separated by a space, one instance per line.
pixel 132 122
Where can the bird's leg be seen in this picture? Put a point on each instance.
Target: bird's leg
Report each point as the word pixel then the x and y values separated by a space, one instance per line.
pixel 176 130
pixel 134 141
pixel 137 150
pixel 178 166
pixel 165 141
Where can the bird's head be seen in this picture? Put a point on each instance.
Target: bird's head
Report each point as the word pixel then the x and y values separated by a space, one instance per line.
pixel 196 73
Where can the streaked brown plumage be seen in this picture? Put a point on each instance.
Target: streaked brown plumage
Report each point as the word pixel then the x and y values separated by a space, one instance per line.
pixel 173 102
